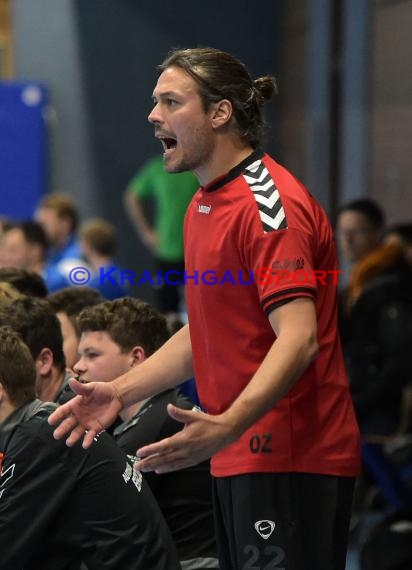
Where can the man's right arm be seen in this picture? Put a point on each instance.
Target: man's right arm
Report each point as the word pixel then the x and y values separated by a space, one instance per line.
pixel 98 403
pixel 167 367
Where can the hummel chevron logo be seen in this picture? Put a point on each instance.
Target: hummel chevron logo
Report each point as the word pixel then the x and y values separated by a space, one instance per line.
pixel 264 528
pixel 270 201
pixel 267 197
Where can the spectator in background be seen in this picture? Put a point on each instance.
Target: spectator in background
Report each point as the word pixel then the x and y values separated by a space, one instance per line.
pixel 60 507
pixel 5 223
pixel 171 194
pixel 59 216
pixel 377 338
pixel 67 304
pixel 359 228
pixel 27 282
pixel 402 235
pixel 36 323
pixel 98 247
pixel 25 246
pixel 116 336
pixel 376 317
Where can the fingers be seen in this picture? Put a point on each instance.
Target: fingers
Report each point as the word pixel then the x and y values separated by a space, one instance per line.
pixel 163 446
pixel 75 435
pixel 166 455
pixel 181 415
pixel 164 463
pixel 58 415
pixel 80 388
pixel 66 426
pixel 76 432
pixel 88 438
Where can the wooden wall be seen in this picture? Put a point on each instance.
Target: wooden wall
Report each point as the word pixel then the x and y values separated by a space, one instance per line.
pixel 5 40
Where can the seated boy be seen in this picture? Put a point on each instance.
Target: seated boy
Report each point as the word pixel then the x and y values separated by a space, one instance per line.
pixel 61 506
pixel 115 336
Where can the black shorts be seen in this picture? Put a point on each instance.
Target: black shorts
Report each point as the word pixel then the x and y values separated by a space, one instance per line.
pixel 282 521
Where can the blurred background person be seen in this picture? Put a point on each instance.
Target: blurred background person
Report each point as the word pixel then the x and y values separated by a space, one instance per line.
pixel 402 235
pixel 170 195
pixel 25 246
pixel 67 304
pixel 5 223
pixel 359 229
pixel 98 247
pixel 375 317
pixel 37 325
pixel 59 216
pixel 25 281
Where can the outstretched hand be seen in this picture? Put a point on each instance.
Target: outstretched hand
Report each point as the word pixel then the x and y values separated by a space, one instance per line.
pixel 95 408
pixel 202 436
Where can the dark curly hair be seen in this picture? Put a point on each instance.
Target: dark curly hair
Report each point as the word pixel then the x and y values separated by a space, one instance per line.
pixel 128 321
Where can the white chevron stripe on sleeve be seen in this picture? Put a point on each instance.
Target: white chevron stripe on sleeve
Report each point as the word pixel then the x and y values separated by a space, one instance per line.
pixel 268 201
pixel 254 166
pixel 254 179
pixel 263 187
pixel 273 222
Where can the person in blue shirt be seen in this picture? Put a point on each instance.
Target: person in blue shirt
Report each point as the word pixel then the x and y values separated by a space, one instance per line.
pixel 59 216
pixel 98 247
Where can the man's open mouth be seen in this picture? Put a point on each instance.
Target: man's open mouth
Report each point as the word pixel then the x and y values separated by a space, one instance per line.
pixel 168 143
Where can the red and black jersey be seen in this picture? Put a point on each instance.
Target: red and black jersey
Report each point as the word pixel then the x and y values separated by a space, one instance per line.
pixel 253 240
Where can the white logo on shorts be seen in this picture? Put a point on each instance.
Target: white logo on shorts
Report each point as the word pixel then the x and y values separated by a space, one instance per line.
pixel 265 528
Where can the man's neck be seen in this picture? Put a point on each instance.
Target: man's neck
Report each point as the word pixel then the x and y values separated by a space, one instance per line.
pixel 228 153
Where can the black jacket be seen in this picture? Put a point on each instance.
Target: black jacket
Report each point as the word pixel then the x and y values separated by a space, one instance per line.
pixel 377 342
pixel 184 496
pixel 60 506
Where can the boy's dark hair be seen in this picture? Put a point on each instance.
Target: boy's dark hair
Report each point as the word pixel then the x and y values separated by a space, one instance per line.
pixel 17 370
pixel 129 322
pixel 25 281
pixel 8 293
pixel 72 300
pixel 369 208
pixel 36 323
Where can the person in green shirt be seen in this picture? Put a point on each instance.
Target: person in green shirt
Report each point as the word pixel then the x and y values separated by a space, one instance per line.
pixel 171 194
